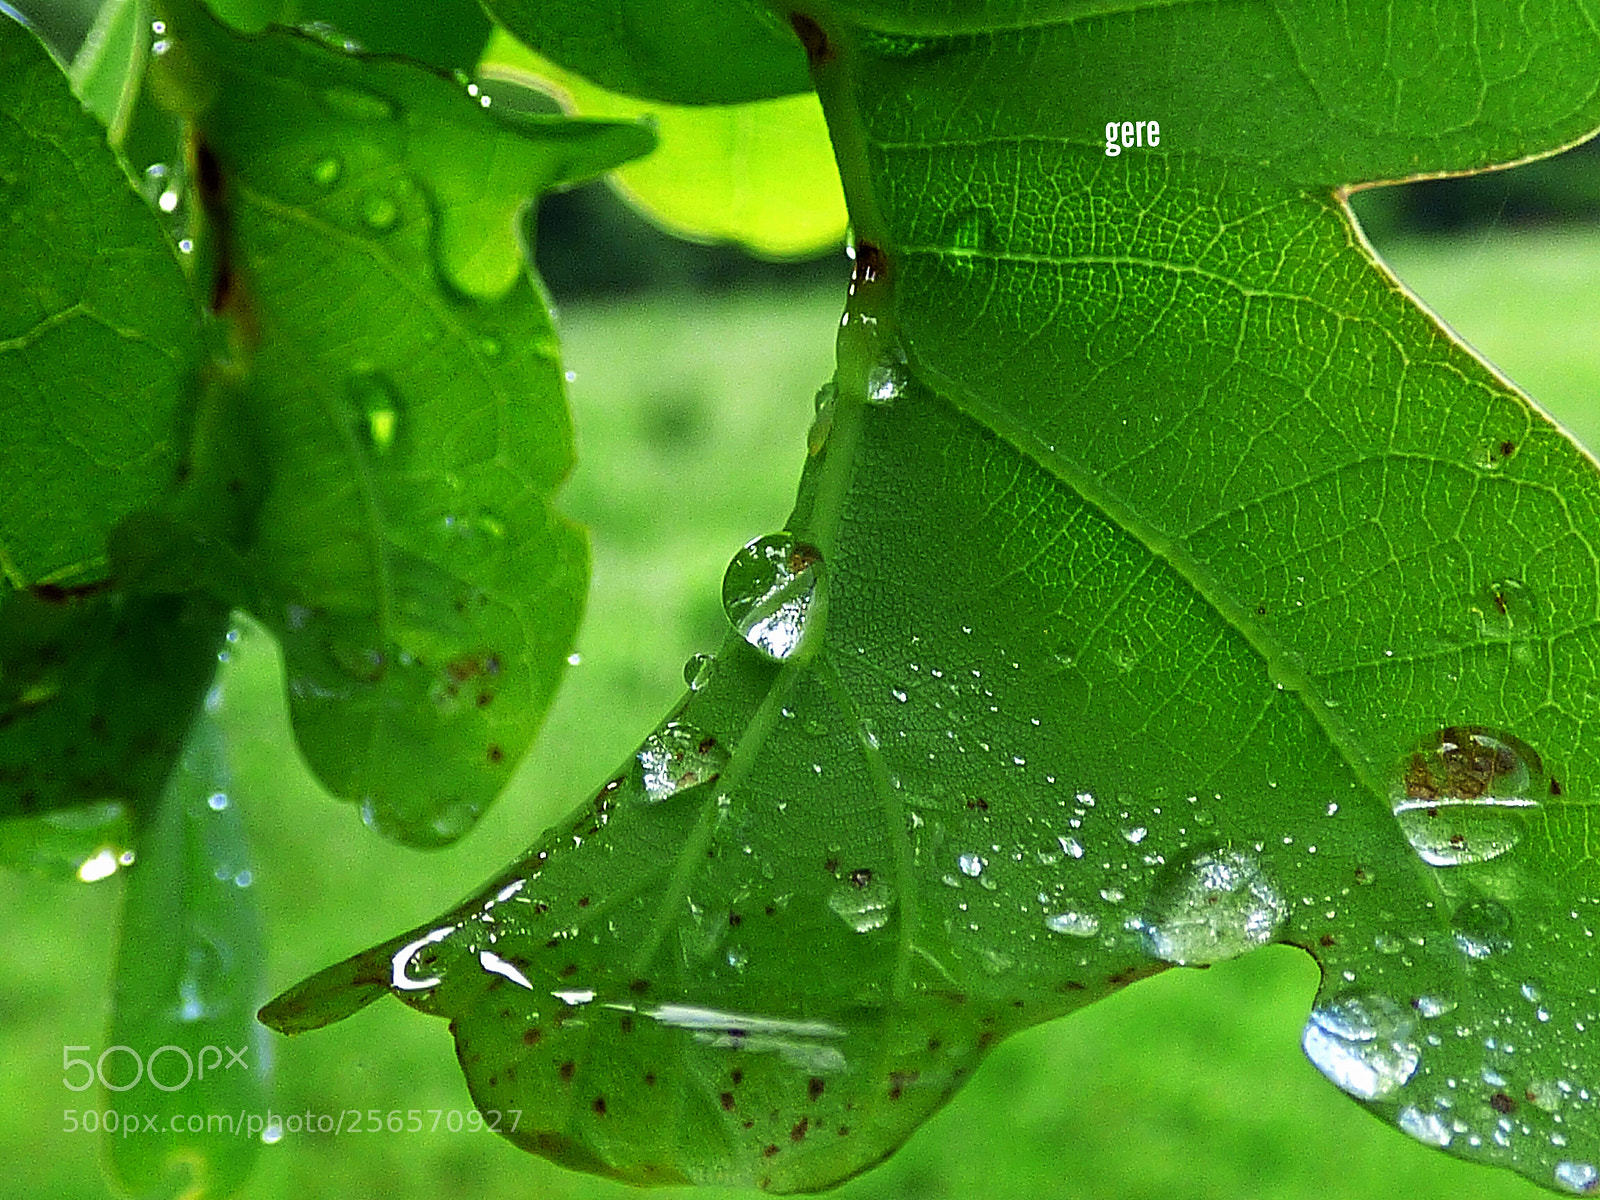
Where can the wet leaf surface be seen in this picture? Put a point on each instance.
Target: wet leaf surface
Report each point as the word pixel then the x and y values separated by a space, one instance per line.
pixel 1175 586
pixel 404 393
pixel 85 447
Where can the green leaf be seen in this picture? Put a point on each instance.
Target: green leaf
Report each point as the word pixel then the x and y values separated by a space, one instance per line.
pixel 188 975
pixel 107 69
pixel 1163 583
pixel 404 394
pixel 678 51
pixel 92 371
pixel 450 35
pixel 760 174
pixel 95 694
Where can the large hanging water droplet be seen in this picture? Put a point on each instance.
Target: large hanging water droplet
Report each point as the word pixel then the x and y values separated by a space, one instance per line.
pixel 863 901
pixel 377 407
pixel 1212 907
pixel 768 592
pixel 1362 1044
pixel 1465 795
pixel 678 757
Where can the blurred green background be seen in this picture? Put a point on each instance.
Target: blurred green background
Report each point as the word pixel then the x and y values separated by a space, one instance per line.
pixel 694 373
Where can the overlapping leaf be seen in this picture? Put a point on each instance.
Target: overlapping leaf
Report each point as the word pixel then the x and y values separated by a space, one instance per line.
pixel 405 394
pixel 679 51
pixel 83 445
pixel 760 174
pixel 187 978
pixel 1163 582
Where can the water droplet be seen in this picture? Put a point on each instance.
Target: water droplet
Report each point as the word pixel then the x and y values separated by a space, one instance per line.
pixel 1362 1044
pixel 1074 924
pixel 1428 1128
pixel 1503 609
pixel 1212 907
pixel 1482 928
pixel 1579 1177
pixel 1465 795
pixel 329 35
pixel 1431 1007
pixel 678 757
pixel 410 968
pixel 698 671
pixel 768 592
pixel 380 213
pixel 1072 846
pixel 377 406
pixel 972 865
pixel 802 1044
pixel 359 104
pixel 326 171
pixel 822 423
pixel 863 902
pixel 887 378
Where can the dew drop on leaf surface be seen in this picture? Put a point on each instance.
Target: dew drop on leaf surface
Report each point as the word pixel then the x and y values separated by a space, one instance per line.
pixel 678 757
pixel 1465 795
pixel 1212 907
pixel 768 592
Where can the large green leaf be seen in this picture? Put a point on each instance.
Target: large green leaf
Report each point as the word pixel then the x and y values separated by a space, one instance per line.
pixel 404 394
pixel 92 372
pixel 1163 583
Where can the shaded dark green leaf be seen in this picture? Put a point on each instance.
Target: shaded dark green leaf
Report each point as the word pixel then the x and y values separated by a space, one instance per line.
pixel 96 692
pixel 679 51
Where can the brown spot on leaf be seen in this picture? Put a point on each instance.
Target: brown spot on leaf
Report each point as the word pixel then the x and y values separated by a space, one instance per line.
pixel 798 1133
pixel 735 919
pixel 1325 940
pixel 770 1150
pixel 532 1037
pixel 1502 1103
pixel 814 1088
pixel 727 1101
pixel 599 1106
pixel 831 866
pixel 737 1077
pixel 495 753
pixel 639 987
pixel 1555 786
pixel 860 877
pixel 566 1070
